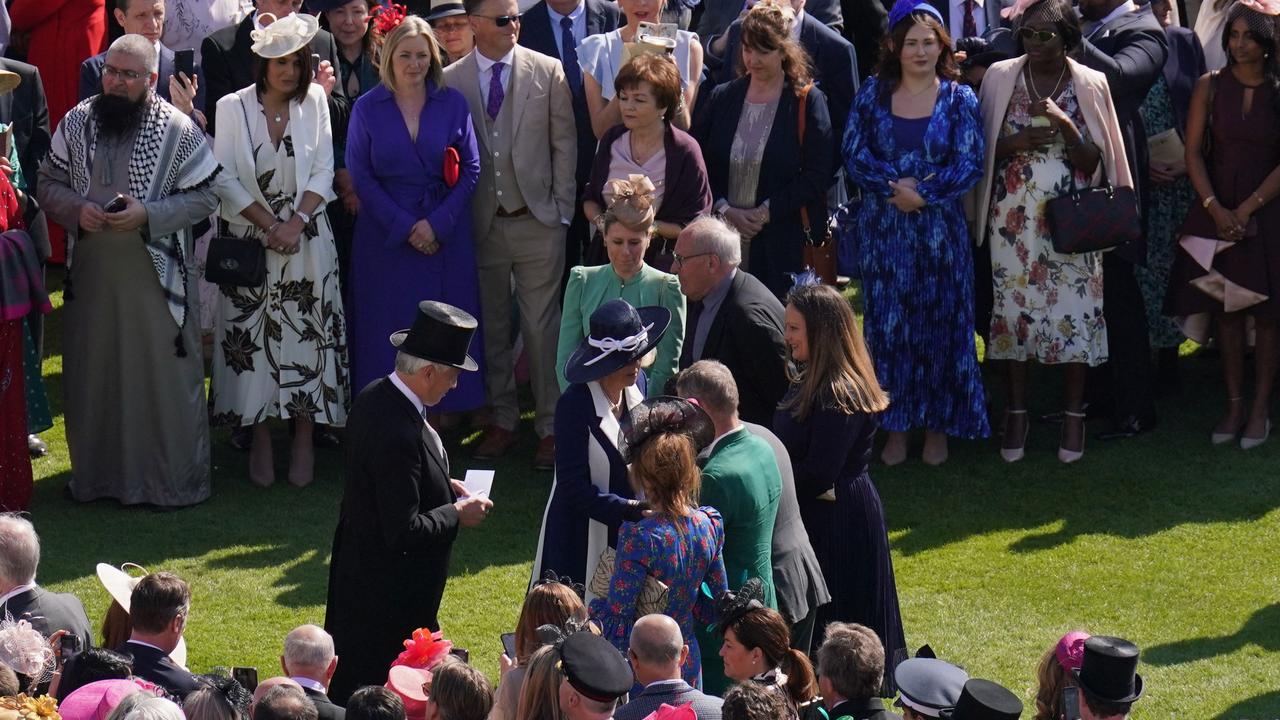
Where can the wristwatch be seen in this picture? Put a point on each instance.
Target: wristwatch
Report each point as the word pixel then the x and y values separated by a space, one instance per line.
pixel 306 219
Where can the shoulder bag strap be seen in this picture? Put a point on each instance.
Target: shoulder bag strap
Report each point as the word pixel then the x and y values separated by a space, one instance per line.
pixel 803 96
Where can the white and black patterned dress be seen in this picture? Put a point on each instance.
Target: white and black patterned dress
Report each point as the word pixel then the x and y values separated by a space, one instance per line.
pixel 280 349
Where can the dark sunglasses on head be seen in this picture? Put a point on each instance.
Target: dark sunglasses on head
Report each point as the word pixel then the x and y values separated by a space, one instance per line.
pixel 502 20
pixel 1042 36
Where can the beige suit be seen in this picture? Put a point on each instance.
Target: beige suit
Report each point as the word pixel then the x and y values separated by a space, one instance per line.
pixel 521 208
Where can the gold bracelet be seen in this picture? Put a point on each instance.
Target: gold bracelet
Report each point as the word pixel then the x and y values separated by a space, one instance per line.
pixel 1208 201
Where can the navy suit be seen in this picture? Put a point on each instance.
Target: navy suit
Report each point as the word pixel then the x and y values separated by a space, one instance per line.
pixel 325 708
pixel 1182 69
pixel 91 77
pixel 1130 50
pixel 27 111
pixel 868 709
pixel 834 62
pixel 157 667
pixel 674 693
pixel 990 9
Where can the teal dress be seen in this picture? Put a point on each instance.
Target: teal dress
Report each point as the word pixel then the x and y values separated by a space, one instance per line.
pixel 1165 211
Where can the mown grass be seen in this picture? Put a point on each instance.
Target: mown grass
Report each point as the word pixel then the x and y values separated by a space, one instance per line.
pixel 1161 539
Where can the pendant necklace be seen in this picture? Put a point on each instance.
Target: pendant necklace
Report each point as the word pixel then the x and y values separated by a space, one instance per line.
pixel 1031 80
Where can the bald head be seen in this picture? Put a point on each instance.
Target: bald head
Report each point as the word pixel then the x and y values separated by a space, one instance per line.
pixel 657 649
pixel 308 652
pixel 265 686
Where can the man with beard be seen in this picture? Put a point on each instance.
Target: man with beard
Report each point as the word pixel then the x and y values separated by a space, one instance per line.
pixel 137 425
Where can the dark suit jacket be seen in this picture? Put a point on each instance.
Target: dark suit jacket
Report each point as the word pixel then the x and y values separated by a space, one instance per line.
pixel 791 176
pixel 991 9
pixel 91 77
pixel 394 538
pixel 537 34
pixel 325 706
pixel 869 709
pixel 50 612
pixel 27 111
pixel 1183 67
pixel 228 63
pixel 834 64
pixel 797 576
pixel 746 335
pixel 865 23
pixel 155 666
pixel 1131 52
pixel 673 693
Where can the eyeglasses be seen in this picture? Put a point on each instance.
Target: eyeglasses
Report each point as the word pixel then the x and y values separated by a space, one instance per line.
pixel 1041 36
pixel 110 71
pixel 501 20
pixel 677 259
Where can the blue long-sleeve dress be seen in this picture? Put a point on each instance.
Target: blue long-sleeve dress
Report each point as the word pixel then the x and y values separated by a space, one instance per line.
pixel 916 283
pixel 401 181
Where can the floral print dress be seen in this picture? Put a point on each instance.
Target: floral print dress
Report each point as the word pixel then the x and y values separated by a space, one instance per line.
pixel 280 348
pixel 1048 306
pixel 1165 211
pixel 684 555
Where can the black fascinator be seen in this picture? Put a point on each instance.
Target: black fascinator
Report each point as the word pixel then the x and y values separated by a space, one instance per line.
pixel 661 415
pixel 550 577
pixel 731 606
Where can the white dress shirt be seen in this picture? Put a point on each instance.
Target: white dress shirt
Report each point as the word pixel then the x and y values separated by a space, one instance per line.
pixel 486 72
pixel 579 18
pixel 956 20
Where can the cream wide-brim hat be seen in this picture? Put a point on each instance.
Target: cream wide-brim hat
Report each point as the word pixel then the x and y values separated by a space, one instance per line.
pixel 284 36
pixel 119 585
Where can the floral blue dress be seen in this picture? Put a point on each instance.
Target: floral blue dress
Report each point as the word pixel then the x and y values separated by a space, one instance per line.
pixel 682 555
pixel 916 286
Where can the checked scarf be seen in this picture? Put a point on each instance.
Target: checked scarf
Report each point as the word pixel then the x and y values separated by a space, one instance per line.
pixel 169 156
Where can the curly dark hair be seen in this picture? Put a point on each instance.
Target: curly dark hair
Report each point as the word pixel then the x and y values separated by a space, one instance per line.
pixel 767 27
pixel 752 701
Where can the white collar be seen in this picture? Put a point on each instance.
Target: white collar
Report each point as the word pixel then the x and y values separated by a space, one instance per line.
pixel 577 13
pixel 16 591
pixel 795 25
pixel 712 447
pixel 1122 9
pixel 485 63
pixel 404 389
pixel 310 684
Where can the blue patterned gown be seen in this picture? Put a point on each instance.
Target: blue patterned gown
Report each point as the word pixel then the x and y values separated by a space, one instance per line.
pixel 916 283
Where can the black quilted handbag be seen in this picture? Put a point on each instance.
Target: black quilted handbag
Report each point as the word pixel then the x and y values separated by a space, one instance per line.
pixel 1093 219
pixel 235 261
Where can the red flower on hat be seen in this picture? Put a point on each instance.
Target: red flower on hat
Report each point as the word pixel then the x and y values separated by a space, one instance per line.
pixel 424 650
pixel 388 17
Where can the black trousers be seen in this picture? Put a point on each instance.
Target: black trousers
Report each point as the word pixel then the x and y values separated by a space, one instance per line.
pixel 1124 382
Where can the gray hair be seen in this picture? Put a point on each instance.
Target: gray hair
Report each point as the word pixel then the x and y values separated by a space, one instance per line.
pixel 711 383
pixel 155 708
pixel 713 235
pixel 140 49
pixel 308 646
pixel 656 639
pixel 19 549
pixel 129 703
pixel 407 364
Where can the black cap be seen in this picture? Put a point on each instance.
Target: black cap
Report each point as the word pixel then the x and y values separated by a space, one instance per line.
pixel 1109 670
pixel 985 700
pixel 441 333
pixel 594 667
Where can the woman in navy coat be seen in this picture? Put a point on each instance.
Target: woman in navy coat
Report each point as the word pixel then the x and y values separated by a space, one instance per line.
pixel 413 233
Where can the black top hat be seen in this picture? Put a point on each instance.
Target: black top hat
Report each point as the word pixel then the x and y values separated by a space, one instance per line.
pixel 594 667
pixel 1109 669
pixel 985 700
pixel 619 334
pixel 441 333
pixel 318 6
pixel 664 414
pixel 443 9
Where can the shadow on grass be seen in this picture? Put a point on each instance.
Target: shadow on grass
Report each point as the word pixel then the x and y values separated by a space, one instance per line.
pixel 1261 629
pixel 1260 707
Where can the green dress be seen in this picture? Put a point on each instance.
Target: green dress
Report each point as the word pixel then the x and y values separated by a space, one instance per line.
pixel 1166 210
pixel 741 480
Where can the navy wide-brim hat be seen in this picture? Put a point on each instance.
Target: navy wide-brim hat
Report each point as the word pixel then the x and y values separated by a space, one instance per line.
pixel 619 335
pixel 441 333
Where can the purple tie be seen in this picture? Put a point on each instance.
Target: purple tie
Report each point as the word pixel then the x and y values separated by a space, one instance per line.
pixel 495 91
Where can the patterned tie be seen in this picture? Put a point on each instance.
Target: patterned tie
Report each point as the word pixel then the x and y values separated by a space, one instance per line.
pixel 970 26
pixel 496 93
pixel 570 54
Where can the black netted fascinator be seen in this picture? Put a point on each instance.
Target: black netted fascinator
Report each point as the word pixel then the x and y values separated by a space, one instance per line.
pixel 555 635
pixel 731 606
pixel 664 414
pixel 550 577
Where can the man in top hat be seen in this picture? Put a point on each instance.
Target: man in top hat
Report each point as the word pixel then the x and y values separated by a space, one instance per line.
pixel 1108 678
pixel 593 676
pixel 448 19
pixel 400 510
pixel 928 686
pixel 985 700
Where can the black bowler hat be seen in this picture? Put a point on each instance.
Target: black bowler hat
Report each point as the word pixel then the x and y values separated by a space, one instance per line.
pixel 441 333
pixel 1109 670
pixel 619 335
pixel 594 667
pixel 985 700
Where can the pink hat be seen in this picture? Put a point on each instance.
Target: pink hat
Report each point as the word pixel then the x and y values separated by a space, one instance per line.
pixel 1070 649
pixel 97 699
pixel 407 682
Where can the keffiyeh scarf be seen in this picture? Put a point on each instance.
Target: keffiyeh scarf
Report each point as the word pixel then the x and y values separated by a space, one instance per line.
pixel 169 156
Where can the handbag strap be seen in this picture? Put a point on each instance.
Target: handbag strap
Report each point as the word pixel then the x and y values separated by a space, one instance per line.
pixel 803 97
pixel 1206 140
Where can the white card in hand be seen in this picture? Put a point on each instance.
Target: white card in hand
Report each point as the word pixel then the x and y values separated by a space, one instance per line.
pixel 478 482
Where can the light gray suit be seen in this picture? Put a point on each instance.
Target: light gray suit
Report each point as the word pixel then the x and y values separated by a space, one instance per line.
pixel 522 206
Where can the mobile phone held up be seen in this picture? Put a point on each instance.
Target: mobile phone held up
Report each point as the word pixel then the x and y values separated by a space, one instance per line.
pixel 509 645
pixel 246 676
pixel 1070 703
pixel 184 62
pixel 117 204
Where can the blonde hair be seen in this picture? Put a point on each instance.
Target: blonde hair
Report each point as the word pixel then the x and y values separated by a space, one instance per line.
pixel 839 369
pixel 411 27
pixel 540 690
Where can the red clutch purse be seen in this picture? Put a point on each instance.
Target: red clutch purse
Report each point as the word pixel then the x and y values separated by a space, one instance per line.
pixel 452 166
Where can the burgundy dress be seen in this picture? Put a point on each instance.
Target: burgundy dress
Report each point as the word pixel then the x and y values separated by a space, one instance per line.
pixel 1245 149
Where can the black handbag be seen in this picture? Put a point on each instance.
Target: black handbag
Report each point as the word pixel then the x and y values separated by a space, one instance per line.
pixel 235 261
pixel 1093 219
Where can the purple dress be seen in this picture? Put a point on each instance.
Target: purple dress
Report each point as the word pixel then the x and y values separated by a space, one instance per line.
pixel 400 181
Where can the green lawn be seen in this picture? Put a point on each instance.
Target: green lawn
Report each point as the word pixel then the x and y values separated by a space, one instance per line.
pixel 1162 539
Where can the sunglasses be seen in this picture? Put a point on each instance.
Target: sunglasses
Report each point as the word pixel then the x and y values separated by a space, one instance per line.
pixel 1041 36
pixel 501 20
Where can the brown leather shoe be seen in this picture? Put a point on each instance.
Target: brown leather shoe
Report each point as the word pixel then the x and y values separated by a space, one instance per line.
pixel 545 457
pixel 494 443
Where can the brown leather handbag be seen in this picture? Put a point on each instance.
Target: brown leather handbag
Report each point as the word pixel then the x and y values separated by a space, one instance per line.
pixel 819 250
